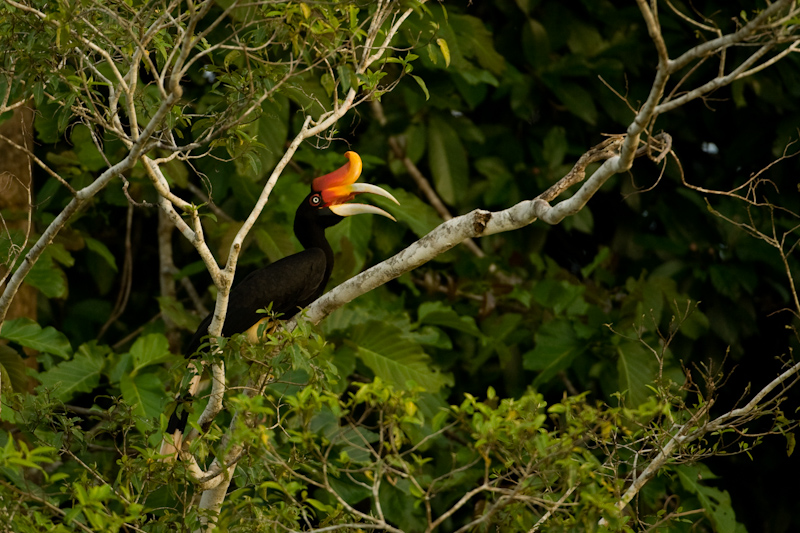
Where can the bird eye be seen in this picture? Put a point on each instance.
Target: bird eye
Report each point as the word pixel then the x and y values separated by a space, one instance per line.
pixel 315 200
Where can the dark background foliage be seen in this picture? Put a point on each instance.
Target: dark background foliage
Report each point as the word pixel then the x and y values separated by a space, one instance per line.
pixel 527 88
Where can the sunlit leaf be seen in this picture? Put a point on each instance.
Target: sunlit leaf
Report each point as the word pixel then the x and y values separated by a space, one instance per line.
pixel 445 52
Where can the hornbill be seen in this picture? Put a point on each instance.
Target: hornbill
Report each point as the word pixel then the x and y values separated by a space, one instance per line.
pixel 290 284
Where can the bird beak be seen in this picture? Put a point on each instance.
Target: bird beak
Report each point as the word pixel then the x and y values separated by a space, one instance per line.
pixel 340 186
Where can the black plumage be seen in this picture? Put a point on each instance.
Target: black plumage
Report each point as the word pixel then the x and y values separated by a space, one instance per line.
pixel 289 284
pixel 292 283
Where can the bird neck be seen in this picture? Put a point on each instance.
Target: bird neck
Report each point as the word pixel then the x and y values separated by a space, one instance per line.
pixel 313 236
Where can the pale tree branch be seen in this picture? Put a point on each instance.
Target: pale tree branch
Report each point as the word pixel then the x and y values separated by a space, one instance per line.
pixel 419 179
pixel 617 155
pixel 693 430
pixel 212 498
pixel 475 224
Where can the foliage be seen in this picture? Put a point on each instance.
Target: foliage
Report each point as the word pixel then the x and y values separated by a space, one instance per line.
pixel 523 385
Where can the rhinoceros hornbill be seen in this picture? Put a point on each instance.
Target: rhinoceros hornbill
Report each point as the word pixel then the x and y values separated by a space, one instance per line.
pixel 290 284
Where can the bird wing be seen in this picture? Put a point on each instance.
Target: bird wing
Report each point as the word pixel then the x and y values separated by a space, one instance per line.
pixel 289 284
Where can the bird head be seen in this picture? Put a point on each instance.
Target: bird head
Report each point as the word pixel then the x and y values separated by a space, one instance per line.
pixel 333 190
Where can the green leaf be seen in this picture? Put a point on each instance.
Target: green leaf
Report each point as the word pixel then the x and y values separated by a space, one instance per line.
pixel 448 160
pixel 102 250
pixel 231 57
pixel 88 154
pixel 349 491
pixel 145 393
pixel 176 172
pixel 301 90
pixel 603 254
pixel 60 254
pixel 272 130
pixel 475 40
pixel 422 85
pixel 350 240
pixel 13 367
pixel 149 350
pixel 577 99
pixel 48 277
pixel 561 296
pixel 81 374
pixel 394 358
pixel 717 503
pixel 438 314
pixel 637 369
pixel 326 80
pixel 275 244
pixel 555 146
pixel 28 333
pixel 557 345
pixel 347 78
pixel 175 311
pixel 420 217
pixel 445 52
pixel 730 279
pixel 585 40
pixel 535 43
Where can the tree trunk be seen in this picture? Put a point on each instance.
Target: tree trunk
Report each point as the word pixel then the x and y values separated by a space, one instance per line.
pixel 15 184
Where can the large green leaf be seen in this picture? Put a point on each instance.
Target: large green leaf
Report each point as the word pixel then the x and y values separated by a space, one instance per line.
pixel 557 345
pixel 48 277
pixel 148 350
pixel 475 40
pixel 275 244
pixel 535 43
pixel 269 133
pixel 81 374
pixel 637 369
pixel 554 146
pixel 86 150
pixel 175 311
pixel 349 491
pixel 717 503
pixel 420 217
pixel 102 250
pixel 576 99
pixel 28 333
pixel 13 368
pixel 396 359
pixel 447 160
pixel 438 314
pixel 176 172
pixel 561 296
pixel 306 92
pixel 145 392
pixel 350 241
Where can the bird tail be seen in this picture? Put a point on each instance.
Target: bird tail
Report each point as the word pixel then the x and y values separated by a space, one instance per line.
pixel 173 440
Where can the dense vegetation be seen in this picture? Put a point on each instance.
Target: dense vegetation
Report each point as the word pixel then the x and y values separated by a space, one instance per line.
pixel 519 381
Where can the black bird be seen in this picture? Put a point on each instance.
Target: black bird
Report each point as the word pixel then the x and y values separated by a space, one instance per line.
pixel 293 282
